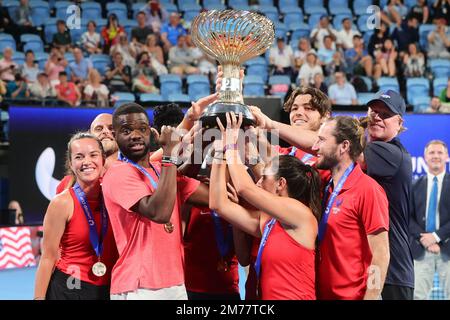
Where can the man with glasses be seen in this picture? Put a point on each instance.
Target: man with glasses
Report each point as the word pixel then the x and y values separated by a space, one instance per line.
pixel 389 163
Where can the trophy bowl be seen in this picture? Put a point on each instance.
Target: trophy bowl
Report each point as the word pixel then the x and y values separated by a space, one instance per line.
pixel 231 37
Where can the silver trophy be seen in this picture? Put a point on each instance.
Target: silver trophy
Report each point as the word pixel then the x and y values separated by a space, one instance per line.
pixel 231 37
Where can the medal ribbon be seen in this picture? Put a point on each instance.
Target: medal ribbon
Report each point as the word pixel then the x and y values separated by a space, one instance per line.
pixel 265 235
pixel 154 184
pixel 334 194
pixel 223 239
pixel 305 158
pixel 97 244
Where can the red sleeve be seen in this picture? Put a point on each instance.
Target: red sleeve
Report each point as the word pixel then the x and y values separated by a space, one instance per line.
pixel 282 150
pixel 63 184
pixel 125 185
pixel 186 187
pixel 374 208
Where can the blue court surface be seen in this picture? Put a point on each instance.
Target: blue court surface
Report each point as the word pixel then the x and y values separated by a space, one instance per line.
pixel 18 284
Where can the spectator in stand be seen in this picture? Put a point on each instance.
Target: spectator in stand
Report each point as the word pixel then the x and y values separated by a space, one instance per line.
pixel 281 57
pixel 326 53
pixel 436 106
pixel 80 68
pixel 42 89
pixel 62 39
pixel 345 36
pixel 337 64
pixel 96 93
pixel 319 83
pixel 67 92
pixel 323 29
pixel 90 40
pixel 386 60
pixel 304 46
pixel 406 34
pixel 56 63
pixel 23 18
pixel 156 15
pixel 181 58
pixel 7 66
pixel 377 39
pixel 2 90
pixel 445 93
pixel 420 11
pixel 171 31
pixel 15 205
pixel 30 68
pixel 414 62
pixel 7 25
pixel 342 92
pixel 156 55
pixel 144 75
pixel 439 41
pixel 110 32
pixel 309 70
pixel 118 75
pixel 395 11
pixel 125 49
pixel 358 59
pixel 441 9
pixel 17 89
pixel 206 65
pixel 140 33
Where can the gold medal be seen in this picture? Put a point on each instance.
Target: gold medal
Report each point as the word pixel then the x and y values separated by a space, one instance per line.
pixel 99 269
pixel 169 227
pixel 222 265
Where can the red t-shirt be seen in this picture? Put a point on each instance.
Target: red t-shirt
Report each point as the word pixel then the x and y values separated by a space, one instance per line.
pixel 360 209
pixel 68 91
pixel 202 256
pixel 77 255
pixel 149 257
pixel 299 154
pixel 287 268
pixel 63 184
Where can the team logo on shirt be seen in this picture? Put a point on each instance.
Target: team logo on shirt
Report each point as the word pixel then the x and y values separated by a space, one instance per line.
pixel 336 209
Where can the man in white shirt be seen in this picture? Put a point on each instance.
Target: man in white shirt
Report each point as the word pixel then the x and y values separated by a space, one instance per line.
pixel 282 58
pixel 345 36
pixel 429 225
pixel 342 92
pixel 323 29
pixel 309 70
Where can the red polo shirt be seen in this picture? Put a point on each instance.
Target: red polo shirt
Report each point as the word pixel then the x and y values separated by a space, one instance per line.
pixel 360 209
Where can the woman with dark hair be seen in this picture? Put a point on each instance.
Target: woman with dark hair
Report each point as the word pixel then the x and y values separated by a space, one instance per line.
pixel 377 39
pixel 144 75
pixel 110 32
pixel 285 215
pixel 79 250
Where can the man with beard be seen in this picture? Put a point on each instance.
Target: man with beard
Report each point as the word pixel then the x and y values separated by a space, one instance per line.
pixel 353 231
pixel 143 200
pixel 101 127
pixel 389 163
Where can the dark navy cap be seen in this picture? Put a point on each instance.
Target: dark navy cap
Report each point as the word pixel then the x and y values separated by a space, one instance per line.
pixel 392 99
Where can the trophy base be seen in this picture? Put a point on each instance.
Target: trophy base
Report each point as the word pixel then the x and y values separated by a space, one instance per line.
pixel 219 109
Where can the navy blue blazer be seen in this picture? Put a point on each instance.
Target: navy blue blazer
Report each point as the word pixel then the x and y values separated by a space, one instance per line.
pixel 417 219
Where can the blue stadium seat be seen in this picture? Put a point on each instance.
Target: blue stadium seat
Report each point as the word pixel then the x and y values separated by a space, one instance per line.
pixel 91 10
pixel 258 66
pixel 50 29
pixel 287 3
pixel 198 86
pixel 150 97
pixel 360 6
pixel 420 104
pixel 136 7
pixel 128 25
pixel 188 5
pixel 18 57
pixel 40 12
pixel 293 15
pixel 335 5
pixel 170 7
pixel 281 31
pixel 170 83
pixel 366 37
pixel 364 98
pixel 439 84
pixel 100 62
pixel 263 2
pixel 362 23
pixel 367 81
pixel 243 7
pixel 388 83
pixel 313 20
pixel 119 9
pixel 41 58
pixel 337 10
pixel 270 12
pixel 337 20
pixel 100 24
pixel 123 97
pixel 190 14
pixel 213 4
pixel 316 9
pixel 12 6
pixel 7 40
pixel 440 67
pixel 417 87
pixel 69 57
pixel 32 42
pixel 298 31
pixel 76 34
pixel 178 97
pixel 424 30
pixel 61 9
pixel 254 86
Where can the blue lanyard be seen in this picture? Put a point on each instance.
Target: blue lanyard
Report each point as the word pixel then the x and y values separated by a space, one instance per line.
pixel 265 235
pixel 334 194
pixel 223 239
pixel 305 158
pixel 154 184
pixel 97 243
